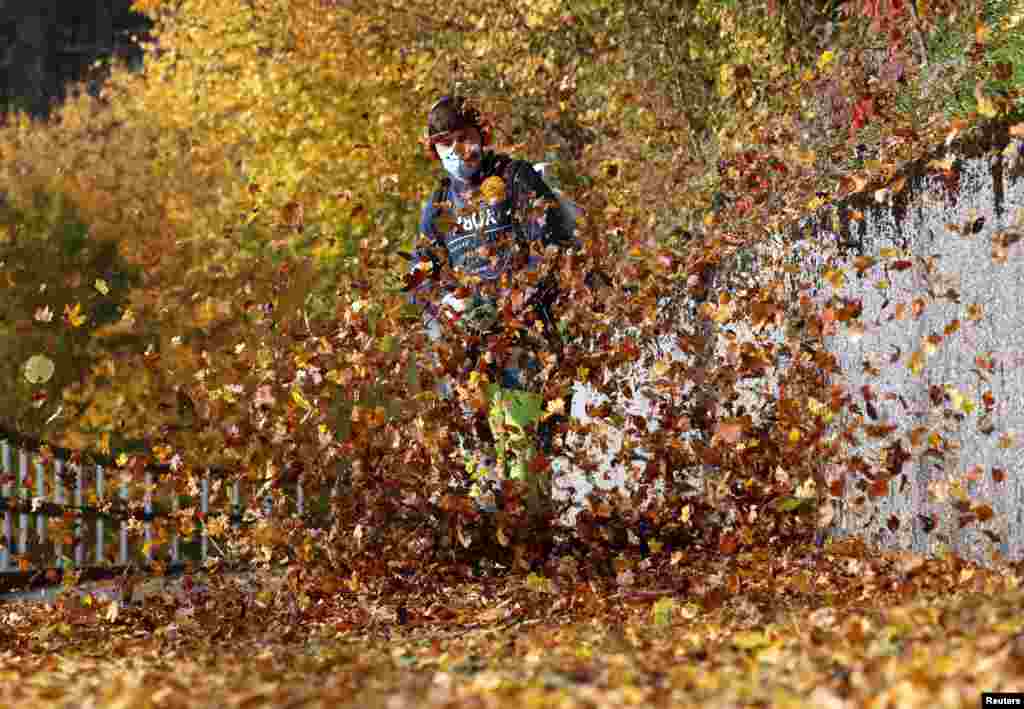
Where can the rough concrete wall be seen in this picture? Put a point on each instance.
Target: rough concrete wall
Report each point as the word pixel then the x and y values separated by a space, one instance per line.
pixel 954 231
pixel 989 197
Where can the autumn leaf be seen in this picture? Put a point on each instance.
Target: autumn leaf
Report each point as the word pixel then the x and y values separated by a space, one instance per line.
pixel 986 106
pixel 39 369
pixel 662 611
pixel 916 363
pixel 728 544
pixel 74 315
pixel 493 189
pixel 729 432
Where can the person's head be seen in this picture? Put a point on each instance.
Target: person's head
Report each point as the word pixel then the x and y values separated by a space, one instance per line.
pixel 456 136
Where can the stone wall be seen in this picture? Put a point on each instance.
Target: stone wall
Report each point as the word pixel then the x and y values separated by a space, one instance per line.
pixel 954 224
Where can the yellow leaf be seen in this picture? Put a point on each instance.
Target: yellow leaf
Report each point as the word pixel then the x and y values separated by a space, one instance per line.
pixel 806 157
pixel 556 406
pixel 836 278
pixel 101 286
pixel 826 58
pixel 794 435
pixel 661 612
pixel 74 315
pixel 538 583
pixel 944 165
pixel 493 189
pixel 749 640
pixel 300 400
pixel 916 363
pixel 986 106
pixel 122 460
pixel 39 369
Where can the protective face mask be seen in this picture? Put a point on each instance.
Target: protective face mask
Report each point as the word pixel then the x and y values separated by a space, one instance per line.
pixel 454 164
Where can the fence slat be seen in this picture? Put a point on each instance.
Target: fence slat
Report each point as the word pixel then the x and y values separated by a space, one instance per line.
pixel 80 522
pixel 40 498
pixel 204 507
pixel 58 498
pixel 5 553
pixel 236 506
pixel 175 507
pixel 122 528
pixel 148 506
pixel 23 494
pixel 99 520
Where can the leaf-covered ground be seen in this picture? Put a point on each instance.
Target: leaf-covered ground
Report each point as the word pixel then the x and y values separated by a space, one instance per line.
pixel 841 626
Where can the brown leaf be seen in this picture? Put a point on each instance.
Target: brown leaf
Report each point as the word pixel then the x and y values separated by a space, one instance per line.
pixel 728 544
pixel 729 432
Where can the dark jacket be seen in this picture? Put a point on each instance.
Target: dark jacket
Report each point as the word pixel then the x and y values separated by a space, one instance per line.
pixel 517 216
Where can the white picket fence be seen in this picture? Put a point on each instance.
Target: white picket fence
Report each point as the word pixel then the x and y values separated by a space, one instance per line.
pixel 101 524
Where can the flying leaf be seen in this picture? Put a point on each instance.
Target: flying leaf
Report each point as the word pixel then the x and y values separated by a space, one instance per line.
pixel 728 544
pixel 662 611
pixel 39 369
pixel 74 315
pixel 493 189
pixel 916 362
pixel 986 106
pixel 836 278
pixel 750 640
pixel 729 432
pixel 300 400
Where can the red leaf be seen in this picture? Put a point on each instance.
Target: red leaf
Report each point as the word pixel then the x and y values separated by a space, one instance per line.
pixel 728 544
